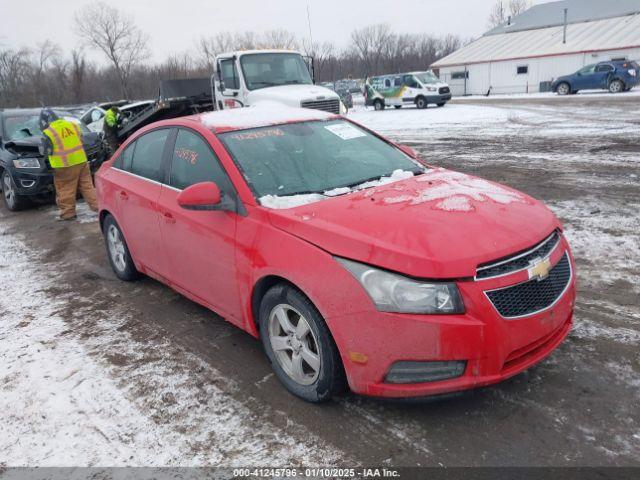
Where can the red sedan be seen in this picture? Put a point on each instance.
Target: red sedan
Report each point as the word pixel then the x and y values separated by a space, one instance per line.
pixel 354 262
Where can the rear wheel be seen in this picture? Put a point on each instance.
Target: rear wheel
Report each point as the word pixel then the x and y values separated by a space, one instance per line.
pixel 421 103
pixel 378 105
pixel 299 345
pixel 563 89
pixel 616 86
pixel 118 252
pixel 12 200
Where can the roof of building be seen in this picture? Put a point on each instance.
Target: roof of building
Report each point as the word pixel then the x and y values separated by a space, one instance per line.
pixel 616 33
pixel 578 11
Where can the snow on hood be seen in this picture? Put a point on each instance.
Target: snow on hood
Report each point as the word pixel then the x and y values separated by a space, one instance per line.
pixel 438 225
pixel 291 95
pixel 261 115
pixel 292 201
pixel 456 191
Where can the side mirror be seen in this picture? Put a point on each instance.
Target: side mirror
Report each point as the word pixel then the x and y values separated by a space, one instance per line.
pixel 408 151
pixel 201 196
pixel 222 86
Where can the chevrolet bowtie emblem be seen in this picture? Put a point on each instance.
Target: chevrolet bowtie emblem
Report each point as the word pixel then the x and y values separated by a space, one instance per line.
pixel 540 269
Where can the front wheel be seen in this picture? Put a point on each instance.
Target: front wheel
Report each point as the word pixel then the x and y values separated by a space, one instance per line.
pixel 616 86
pixel 563 89
pixel 12 200
pixel 378 105
pixel 421 103
pixel 299 345
pixel 118 252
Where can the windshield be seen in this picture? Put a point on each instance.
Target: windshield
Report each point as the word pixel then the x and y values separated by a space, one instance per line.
pixel 314 157
pixel 17 128
pixel 427 77
pixel 272 69
pixel 25 126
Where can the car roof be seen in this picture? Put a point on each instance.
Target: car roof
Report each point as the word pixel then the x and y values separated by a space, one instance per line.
pixel 261 115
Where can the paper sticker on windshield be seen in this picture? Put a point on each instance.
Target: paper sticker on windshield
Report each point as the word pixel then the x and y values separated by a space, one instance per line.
pixel 345 131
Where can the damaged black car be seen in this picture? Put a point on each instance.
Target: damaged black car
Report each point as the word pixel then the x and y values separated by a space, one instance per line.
pixel 25 175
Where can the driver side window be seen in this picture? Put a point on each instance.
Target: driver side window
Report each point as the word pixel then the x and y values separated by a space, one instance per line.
pixel 229 74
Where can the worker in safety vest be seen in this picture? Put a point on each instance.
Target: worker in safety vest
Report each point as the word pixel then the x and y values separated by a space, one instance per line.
pixel 112 122
pixel 63 146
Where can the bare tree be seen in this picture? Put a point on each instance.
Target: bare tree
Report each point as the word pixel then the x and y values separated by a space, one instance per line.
pixel 516 7
pixel 498 15
pixel 14 68
pixel 115 34
pixel 78 74
pixel 278 38
pixel 321 53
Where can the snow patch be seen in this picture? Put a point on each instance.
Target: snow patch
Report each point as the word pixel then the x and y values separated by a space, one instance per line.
pixel 277 202
pixel 455 191
pixel 261 115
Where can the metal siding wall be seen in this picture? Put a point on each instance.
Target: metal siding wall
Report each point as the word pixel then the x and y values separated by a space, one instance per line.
pixel 503 77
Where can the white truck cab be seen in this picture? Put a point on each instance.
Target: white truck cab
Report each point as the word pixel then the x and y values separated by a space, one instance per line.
pixel 248 77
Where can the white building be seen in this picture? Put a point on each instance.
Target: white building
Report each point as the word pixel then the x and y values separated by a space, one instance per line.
pixel 538 46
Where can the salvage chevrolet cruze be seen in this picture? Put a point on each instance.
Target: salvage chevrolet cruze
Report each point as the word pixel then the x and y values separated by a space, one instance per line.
pixel 353 261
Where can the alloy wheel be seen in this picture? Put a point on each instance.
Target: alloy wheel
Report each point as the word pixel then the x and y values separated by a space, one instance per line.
pixel 294 344
pixel 563 89
pixel 8 190
pixel 615 87
pixel 116 248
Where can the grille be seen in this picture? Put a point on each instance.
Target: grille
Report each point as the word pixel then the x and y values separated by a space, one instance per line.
pixel 332 106
pixel 534 295
pixel 519 261
pixel 444 90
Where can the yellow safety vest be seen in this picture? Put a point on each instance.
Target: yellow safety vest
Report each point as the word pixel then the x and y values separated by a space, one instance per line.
pixel 67 144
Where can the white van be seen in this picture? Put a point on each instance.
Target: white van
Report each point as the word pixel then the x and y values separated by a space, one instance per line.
pixel 245 78
pixel 419 88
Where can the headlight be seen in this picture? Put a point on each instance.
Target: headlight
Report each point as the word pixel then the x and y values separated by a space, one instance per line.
pixel 26 163
pixel 432 89
pixel 394 293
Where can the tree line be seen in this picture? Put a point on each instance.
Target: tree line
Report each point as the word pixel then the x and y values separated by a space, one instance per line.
pixel 47 75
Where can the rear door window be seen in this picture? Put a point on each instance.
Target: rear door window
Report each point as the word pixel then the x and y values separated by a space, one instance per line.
pixel 194 162
pixel 124 160
pixel 147 158
pixel 604 68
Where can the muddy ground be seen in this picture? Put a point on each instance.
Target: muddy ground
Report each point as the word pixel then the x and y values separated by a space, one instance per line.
pixel 579 407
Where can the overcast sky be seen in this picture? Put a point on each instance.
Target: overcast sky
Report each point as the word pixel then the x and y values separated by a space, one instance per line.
pixel 175 25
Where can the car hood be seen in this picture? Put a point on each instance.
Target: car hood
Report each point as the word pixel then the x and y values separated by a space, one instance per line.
pixel 24 145
pixel 291 95
pixel 438 225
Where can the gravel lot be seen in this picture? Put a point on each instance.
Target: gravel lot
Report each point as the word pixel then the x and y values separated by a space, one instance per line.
pixel 94 371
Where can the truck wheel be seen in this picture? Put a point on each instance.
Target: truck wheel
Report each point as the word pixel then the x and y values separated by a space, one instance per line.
pixel 563 89
pixel 12 200
pixel 378 105
pixel 421 103
pixel 118 252
pixel 299 345
pixel 616 86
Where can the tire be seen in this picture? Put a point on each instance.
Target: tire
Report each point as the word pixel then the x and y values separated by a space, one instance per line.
pixel 378 105
pixel 282 310
pixel 616 86
pixel 421 103
pixel 397 107
pixel 440 105
pixel 563 89
pixel 12 200
pixel 118 252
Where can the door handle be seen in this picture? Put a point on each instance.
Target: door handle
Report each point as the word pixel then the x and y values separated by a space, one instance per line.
pixel 168 218
pixel 123 195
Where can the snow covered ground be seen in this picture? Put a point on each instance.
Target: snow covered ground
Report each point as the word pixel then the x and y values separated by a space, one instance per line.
pixel 61 406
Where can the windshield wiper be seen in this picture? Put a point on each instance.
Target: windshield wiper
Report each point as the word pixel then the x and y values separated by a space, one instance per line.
pixel 373 179
pixel 266 84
